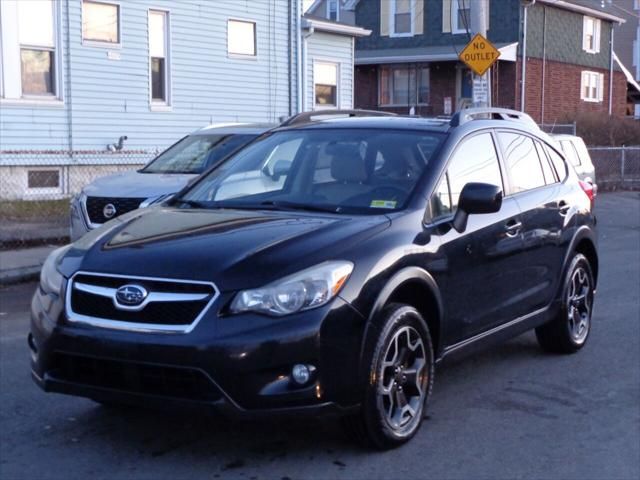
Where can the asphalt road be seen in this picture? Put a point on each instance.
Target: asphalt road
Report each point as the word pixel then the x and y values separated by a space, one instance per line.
pixel 509 412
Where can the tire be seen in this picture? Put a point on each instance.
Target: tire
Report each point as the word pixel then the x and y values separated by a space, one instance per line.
pixel 397 375
pixel 569 330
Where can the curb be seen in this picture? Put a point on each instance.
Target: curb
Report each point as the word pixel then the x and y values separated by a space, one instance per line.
pixel 19 275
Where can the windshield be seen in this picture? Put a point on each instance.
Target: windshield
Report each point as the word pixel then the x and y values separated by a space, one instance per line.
pixel 195 153
pixel 336 170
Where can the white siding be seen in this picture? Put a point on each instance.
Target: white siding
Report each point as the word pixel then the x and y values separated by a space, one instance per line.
pixel 324 47
pixel 106 98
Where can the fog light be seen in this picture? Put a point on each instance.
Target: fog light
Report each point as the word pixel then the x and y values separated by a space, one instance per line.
pixel 301 374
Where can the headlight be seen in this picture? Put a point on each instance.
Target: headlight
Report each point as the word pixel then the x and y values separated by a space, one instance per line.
pixel 50 278
pixel 304 290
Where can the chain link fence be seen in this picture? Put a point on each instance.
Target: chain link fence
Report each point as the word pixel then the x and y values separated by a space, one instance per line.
pixel 617 168
pixel 36 186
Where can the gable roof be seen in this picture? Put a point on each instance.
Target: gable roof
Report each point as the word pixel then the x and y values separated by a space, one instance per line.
pixel 592 12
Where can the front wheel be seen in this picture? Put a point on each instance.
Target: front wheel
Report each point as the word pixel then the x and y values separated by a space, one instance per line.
pixel 400 370
pixel 569 330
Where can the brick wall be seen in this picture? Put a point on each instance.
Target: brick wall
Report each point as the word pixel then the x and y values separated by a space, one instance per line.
pixel 562 91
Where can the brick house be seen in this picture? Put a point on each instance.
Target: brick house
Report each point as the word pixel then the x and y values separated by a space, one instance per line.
pixel 411 58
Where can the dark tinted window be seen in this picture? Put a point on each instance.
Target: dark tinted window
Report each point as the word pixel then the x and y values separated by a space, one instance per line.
pixel 441 200
pixel 522 162
pixel 475 160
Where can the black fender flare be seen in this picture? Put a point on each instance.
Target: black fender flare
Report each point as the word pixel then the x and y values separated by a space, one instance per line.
pixel 583 232
pixel 399 278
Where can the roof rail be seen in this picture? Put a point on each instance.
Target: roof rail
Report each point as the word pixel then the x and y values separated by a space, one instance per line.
pixel 463 116
pixel 306 117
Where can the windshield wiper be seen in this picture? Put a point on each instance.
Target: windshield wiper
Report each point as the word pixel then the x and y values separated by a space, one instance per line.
pixel 301 206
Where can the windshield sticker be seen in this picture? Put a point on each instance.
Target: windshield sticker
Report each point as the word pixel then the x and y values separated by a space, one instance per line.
pixel 383 204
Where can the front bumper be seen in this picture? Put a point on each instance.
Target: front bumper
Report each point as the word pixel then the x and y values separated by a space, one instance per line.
pixel 239 365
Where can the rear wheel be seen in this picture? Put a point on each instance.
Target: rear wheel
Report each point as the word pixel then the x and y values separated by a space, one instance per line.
pixel 569 330
pixel 399 379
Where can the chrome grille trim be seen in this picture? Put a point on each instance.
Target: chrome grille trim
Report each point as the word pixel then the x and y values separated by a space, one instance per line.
pixel 157 296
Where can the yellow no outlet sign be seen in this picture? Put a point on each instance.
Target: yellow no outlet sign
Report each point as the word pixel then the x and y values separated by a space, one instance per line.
pixel 479 54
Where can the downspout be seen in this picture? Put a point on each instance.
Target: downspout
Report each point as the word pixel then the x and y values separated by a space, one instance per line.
pixel 523 79
pixel 611 73
pixel 68 82
pixel 299 55
pixel 304 67
pixel 544 59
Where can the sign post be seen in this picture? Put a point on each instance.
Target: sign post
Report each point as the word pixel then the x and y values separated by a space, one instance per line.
pixel 479 55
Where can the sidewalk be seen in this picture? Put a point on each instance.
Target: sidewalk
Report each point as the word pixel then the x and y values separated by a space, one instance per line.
pixel 22 265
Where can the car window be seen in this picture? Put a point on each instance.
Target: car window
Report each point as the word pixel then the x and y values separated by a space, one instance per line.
pixel 583 152
pixel 343 170
pixel 194 153
pixel 548 171
pixel 558 163
pixel 441 199
pixel 522 162
pixel 570 152
pixel 474 160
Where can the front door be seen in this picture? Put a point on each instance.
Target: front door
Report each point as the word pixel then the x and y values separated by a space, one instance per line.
pixel 482 267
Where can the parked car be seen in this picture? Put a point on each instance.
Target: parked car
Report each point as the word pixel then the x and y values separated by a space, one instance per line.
pixel 373 249
pixel 576 152
pixel 111 196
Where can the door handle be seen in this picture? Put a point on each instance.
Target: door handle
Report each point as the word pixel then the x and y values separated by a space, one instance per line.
pixel 513 229
pixel 563 207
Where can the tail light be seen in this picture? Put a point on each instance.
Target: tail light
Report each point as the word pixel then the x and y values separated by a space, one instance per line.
pixel 590 190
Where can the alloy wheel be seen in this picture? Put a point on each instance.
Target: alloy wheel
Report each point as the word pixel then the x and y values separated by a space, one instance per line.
pixel 579 304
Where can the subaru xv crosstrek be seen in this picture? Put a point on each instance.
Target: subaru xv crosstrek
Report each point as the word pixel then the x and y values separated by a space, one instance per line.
pixel 375 247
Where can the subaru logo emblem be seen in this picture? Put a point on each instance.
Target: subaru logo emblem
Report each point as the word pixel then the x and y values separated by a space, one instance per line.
pixel 131 295
pixel 109 210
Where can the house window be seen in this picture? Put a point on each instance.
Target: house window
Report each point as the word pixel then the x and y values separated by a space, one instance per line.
pixel 460 16
pixel 159 56
pixel 37 48
pixel 333 10
pixel 325 84
pixel 591 34
pixel 100 22
pixel 241 38
pixel 591 86
pixel 401 17
pixel 404 86
pixel 43 181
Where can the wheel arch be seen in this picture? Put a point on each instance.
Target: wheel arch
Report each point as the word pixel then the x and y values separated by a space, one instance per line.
pixel 416 287
pixel 584 242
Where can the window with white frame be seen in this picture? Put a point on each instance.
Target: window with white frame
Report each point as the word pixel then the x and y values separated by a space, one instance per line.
pixel 401 14
pixel 100 22
pixel 37 48
pixel 404 86
pixel 591 86
pixel 333 10
pixel 159 56
pixel 325 84
pixel 460 16
pixel 591 34
pixel 241 38
pixel 29 43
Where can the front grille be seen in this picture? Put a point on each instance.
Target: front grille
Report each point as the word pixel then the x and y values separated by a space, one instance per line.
pixel 171 305
pixel 95 207
pixel 141 378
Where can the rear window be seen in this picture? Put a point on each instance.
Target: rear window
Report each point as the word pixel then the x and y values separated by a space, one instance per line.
pixel 570 152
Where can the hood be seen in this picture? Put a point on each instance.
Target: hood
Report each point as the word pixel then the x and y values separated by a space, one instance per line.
pixel 135 184
pixel 233 248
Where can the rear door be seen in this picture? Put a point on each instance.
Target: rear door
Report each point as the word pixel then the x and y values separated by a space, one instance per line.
pixel 482 269
pixel 535 186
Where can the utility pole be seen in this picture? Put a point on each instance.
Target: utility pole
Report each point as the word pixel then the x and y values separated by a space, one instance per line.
pixel 478 22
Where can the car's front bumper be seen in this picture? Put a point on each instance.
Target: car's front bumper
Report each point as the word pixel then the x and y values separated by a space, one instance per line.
pixel 242 369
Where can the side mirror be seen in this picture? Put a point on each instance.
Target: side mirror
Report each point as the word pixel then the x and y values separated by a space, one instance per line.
pixel 280 168
pixel 476 198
